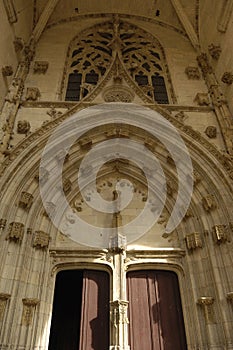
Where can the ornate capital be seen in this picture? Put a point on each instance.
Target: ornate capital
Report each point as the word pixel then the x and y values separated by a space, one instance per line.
pixel 119 312
pixel 207 302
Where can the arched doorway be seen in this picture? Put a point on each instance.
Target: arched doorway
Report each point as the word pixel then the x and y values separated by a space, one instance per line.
pixel 155 312
pixel 80 311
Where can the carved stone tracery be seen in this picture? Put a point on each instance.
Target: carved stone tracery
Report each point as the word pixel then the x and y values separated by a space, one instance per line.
pixel 91 57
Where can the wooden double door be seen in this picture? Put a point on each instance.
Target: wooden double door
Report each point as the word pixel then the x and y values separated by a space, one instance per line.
pixel 81 321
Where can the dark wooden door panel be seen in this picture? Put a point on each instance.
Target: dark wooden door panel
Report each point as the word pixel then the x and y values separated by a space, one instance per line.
pixel 155 313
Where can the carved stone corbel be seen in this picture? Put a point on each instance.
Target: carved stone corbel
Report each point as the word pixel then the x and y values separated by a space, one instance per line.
pixel 7 71
pixel 41 240
pixel 230 297
pixel 40 67
pixel 215 51
pixel 206 303
pixel 227 78
pixel 2 224
pixel 193 240
pixel 33 93
pixel 18 44
pixel 29 305
pixel 26 200
pixel 192 73
pixel 202 99
pixel 15 232
pixel 220 234
pixel 4 297
pixel 209 202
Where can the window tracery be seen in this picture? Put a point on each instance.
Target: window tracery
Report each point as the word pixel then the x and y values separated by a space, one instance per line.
pixel 91 56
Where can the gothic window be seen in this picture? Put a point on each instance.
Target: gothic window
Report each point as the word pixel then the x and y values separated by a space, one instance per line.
pixel 142 57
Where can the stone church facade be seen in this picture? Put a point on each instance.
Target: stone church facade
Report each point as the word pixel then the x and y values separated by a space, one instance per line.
pixel 151 82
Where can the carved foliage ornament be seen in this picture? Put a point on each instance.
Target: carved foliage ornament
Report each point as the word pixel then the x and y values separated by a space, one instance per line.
pixel 23 126
pixel 211 132
pixel 118 93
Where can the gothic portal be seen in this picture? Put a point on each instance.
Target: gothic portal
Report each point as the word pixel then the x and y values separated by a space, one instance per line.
pixel 116 174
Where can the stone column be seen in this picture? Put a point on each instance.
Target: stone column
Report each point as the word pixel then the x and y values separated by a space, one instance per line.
pixel 119 305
